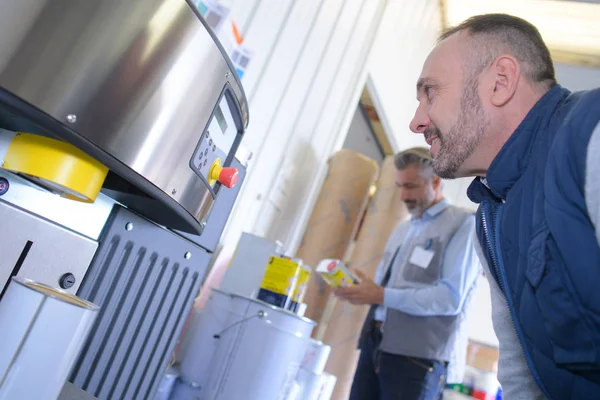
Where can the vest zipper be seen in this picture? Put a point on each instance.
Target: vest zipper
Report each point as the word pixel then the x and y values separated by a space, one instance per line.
pixel 495 254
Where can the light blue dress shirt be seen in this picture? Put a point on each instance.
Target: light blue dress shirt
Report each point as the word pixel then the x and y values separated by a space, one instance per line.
pixel 460 269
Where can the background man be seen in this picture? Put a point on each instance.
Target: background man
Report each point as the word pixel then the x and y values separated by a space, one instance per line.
pixel 489 106
pixel 423 285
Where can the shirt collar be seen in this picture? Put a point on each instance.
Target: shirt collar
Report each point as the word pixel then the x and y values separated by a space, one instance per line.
pixel 433 211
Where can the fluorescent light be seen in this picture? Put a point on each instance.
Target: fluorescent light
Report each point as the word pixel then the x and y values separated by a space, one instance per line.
pixel 566 26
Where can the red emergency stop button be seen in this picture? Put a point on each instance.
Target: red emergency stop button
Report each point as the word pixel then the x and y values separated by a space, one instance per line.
pixel 228 177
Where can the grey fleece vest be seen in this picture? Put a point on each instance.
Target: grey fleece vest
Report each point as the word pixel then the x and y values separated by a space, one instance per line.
pixel 431 337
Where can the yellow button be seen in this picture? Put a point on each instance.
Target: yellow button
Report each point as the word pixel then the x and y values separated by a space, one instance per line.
pixel 214 172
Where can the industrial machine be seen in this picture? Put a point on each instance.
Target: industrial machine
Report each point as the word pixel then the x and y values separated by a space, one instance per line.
pixel 119 127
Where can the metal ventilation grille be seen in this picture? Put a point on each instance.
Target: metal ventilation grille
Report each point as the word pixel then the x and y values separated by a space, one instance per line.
pixel 144 278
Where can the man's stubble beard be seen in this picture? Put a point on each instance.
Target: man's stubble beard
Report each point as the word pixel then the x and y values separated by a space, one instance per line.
pixel 462 139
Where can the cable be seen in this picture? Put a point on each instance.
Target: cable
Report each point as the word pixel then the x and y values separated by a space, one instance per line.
pixel 260 314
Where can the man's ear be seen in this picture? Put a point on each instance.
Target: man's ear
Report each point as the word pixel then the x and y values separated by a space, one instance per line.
pixel 436 182
pixel 506 73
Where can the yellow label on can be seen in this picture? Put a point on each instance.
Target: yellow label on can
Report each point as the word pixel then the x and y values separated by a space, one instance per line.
pixel 301 284
pixel 281 275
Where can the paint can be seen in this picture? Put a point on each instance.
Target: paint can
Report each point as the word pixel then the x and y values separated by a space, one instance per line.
pixel 300 290
pixel 284 282
pixel 259 351
pixel 201 343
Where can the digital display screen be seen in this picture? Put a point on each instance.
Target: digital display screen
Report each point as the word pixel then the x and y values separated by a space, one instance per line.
pixel 221 119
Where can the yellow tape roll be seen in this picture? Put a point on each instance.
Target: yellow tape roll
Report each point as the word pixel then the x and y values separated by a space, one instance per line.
pixel 57 166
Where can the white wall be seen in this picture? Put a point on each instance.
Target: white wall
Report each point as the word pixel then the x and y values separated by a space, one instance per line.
pixel 303 84
pixel 577 78
pixel 408 33
pixel 362 139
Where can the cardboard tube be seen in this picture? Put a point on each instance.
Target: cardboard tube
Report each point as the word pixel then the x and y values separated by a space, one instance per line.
pixel 342 329
pixel 42 331
pixel 334 220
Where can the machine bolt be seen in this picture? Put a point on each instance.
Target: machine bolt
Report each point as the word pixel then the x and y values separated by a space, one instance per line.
pixel 262 314
pixel 72 118
pixel 174 191
pixel 128 226
pixel 67 281
pixel 4 185
pixel 187 255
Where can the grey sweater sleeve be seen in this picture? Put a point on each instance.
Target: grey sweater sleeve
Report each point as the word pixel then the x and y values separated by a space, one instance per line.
pixel 513 372
pixel 592 180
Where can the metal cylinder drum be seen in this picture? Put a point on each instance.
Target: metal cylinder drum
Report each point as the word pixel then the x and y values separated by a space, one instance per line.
pixel 259 351
pixel 199 345
pixel 42 331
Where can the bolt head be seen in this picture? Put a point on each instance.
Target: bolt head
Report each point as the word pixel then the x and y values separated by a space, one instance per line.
pixel 129 226
pixel 174 191
pixel 187 255
pixel 227 75
pixel 67 281
pixel 72 118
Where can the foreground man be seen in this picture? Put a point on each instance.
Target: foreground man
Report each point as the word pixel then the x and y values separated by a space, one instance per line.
pixel 419 301
pixel 490 107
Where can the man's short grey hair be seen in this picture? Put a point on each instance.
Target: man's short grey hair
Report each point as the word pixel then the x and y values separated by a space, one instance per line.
pixel 495 34
pixel 418 156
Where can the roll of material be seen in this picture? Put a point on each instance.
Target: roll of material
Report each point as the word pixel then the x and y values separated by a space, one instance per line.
pixel 53 164
pixel 335 219
pixel 42 331
pixel 328 386
pixel 342 328
pixel 316 357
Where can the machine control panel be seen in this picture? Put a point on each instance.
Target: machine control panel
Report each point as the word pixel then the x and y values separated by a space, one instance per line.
pixel 215 145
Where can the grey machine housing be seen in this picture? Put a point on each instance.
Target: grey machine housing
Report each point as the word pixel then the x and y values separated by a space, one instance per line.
pixel 138 85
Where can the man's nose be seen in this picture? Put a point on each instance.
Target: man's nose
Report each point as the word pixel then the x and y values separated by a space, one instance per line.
pixel 420 121
pixel 404 194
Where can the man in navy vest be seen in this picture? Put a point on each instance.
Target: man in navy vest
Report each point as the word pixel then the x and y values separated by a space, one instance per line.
pixel 490 107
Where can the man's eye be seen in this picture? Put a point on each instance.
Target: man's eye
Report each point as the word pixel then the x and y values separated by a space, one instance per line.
pixel 429 92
